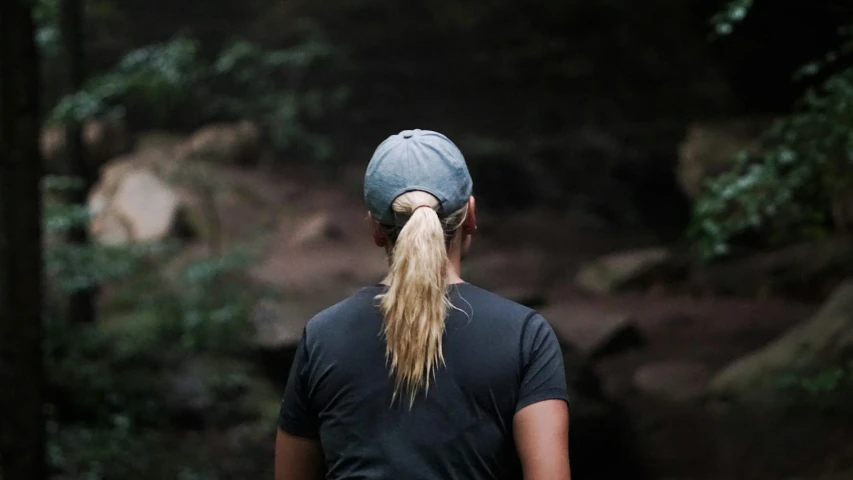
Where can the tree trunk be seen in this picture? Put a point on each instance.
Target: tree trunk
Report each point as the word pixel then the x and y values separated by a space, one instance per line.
pixel 81 303
pixel 22 431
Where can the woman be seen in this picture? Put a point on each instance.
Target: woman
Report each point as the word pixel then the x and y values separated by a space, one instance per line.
pixel 424 376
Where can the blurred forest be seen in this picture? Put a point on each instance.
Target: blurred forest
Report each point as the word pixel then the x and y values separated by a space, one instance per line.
pixel 669 183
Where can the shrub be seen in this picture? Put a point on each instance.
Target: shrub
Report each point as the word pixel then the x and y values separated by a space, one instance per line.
pixel 111 384
pixel 800 186
pixel 175 80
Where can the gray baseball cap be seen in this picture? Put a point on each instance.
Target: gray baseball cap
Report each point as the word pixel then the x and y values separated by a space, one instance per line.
pixel 416 160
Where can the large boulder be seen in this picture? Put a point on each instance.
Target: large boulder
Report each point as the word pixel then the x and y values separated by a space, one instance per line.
pixel 709 149
pixel 144 208
pixel 823 341
pixel 236 143
pixel 132 203
pixel 594 330
pixel 147 204
pixel 622 270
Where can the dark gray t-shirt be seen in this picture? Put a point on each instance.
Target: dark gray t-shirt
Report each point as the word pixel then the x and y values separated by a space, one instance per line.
pixel 499 358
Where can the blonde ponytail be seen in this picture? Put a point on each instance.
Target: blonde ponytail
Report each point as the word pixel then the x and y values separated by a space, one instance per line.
pixel 415 305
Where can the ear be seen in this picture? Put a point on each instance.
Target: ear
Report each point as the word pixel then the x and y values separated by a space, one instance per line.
pixel 469 226
pixel 379 237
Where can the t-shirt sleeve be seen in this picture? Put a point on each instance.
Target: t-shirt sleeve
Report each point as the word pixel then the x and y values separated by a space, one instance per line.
pixel 296 416
pixel 542 374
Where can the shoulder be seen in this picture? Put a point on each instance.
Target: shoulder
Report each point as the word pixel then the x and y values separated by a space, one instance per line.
pixel 505 314
pixel 340 318
pixel 498 314
pixel 497 308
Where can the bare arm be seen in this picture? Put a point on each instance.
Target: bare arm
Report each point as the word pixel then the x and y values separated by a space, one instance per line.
pixel 297 458
pixel 541 433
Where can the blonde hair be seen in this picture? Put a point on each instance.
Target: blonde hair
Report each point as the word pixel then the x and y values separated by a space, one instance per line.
pixel 414 308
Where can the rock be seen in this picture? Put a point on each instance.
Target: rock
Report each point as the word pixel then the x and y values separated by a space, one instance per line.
pixel 110 229
pixel 595 331
pixel 233 143
pixel 114 172
pixel 132 203
pixel 824 340
pixel 317 228
pixel 621 270
pixel 147 205
pixel 709 149
pixel 808 271
pixel 102 141
pixel 149 171
pixel 672 380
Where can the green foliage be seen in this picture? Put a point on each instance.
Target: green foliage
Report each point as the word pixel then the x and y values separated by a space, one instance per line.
pixel 202 309
pixel 166 322
pixel 159 74
pixel 46 17
pixel 73 267
pixel 788 191
pixel 283 112
pixel 97 454
pixel 830 388
pixel 733 13
pixel 243 81
pixel 124 452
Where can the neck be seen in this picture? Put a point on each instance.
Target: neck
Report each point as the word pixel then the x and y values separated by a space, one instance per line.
pixel 460 244
pixel 454 267
pixel 452 274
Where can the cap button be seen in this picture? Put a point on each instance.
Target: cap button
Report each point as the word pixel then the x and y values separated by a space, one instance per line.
pixel 407 133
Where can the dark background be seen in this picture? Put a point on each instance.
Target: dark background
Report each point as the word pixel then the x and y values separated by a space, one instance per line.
pixel 571 115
